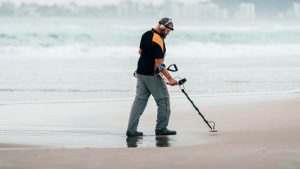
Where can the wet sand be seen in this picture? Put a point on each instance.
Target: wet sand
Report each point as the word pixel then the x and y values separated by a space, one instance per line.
pixel 254 132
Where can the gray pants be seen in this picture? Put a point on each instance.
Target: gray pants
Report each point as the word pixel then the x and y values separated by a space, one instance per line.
pixel 147 85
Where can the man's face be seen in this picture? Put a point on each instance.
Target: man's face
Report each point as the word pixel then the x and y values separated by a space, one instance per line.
pixel 166 31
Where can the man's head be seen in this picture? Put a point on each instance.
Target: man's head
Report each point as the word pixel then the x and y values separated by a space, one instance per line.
pixel 165 25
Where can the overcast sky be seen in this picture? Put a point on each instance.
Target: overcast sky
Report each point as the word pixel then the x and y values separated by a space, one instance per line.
pixel 91 2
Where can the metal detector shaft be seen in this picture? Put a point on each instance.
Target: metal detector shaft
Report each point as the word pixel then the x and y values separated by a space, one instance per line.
pixel 212 128
pixel 181 86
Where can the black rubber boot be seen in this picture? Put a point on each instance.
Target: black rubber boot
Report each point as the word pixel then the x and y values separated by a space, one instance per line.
pixel 134 134
pixel 165 132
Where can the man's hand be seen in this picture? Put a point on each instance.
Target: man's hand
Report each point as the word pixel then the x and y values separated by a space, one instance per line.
pixel 172 82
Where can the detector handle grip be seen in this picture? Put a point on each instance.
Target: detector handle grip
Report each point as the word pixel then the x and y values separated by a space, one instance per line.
pixel 181 81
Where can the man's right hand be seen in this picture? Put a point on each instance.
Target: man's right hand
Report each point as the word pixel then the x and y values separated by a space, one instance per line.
pixel 172 82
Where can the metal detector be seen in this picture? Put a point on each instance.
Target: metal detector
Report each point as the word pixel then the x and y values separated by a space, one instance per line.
pixel 210 124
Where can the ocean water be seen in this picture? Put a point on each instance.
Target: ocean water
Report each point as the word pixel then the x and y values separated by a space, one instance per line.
pixel 69 60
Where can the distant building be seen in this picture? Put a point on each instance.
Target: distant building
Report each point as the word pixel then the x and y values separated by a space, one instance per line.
pixel 211 11
pixel 7 9
pixel 297 10
pixel 245 11
pixel 291 13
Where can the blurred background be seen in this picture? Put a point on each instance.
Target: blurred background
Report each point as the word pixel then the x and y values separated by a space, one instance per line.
pixel 86 50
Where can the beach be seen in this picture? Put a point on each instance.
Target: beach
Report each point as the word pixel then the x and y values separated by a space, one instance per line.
pixel 67 87
pixel 254 131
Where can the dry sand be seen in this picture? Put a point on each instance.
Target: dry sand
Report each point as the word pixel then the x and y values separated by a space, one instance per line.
pixel 253 135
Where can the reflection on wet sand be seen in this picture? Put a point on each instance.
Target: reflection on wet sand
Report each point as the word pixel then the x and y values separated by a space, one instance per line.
pixel 134 141
pixel 161 141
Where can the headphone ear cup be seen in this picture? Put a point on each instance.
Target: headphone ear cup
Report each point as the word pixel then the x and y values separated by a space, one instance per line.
pixel 162 27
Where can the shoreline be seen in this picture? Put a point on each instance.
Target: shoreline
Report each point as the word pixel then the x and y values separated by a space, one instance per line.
pixel 96 125
pixel 257 134
pixel 177 96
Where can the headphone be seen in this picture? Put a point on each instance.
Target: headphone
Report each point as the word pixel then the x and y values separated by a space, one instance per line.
pixel 163 27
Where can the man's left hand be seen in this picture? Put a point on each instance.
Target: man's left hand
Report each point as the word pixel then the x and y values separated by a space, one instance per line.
pixel 172 82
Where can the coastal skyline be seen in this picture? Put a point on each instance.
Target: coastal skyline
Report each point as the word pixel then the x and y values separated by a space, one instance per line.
pixel 95 2
pixel 194 9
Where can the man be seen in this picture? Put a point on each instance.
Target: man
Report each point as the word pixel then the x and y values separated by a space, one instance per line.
pixel 149 74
